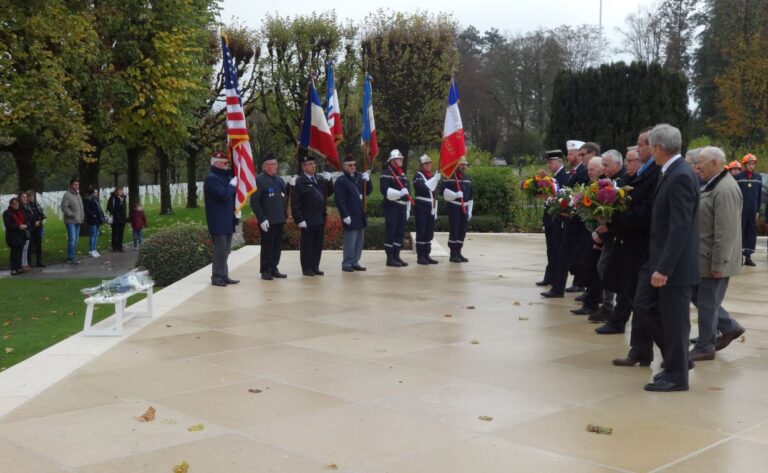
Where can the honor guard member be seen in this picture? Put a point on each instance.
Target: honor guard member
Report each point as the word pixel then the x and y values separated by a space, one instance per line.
pixel 553 226
pixel 219 192
pixel 308 207
pixel 457 191
pixel 394 186
pixel 349 191
pixel 269 205
pixel 425 212
pixel 751 186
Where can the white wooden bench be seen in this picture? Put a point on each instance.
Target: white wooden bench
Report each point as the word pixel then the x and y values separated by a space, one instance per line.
pixel 119 300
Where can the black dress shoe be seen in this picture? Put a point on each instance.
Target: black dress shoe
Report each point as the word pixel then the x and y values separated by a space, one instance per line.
pixel 308 273
pixel 549 294
pixel 463 259
pixel 357 267
pixel 727 338
pixel 580 297
pixel 584 310
pixel 664 386
pixel 609 329
pixel 266 276
pixel 574 289
pixel 228 280
pixel 542 283
pixel 347 269
pixel 318 272
pixel 748 261
pixel 218 282
pixel 700 355
pixel 278 274
pixel 630 361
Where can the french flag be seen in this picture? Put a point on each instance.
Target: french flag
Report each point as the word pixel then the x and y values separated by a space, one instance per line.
pixel 453 147
pixel 368 137
pixel 333 109
pixel 315 134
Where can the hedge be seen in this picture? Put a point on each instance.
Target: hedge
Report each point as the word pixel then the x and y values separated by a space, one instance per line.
pixel 176 252
pixel 291 234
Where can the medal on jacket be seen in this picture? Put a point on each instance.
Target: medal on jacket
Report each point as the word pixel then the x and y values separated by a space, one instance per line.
pixel 271 191
pixel 749 185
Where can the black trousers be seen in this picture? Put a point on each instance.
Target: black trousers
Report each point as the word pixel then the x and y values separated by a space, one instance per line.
pixel 748 233
pixel 665 312
pixel 425 223
pixel 458 221
pixel 271 247
pixel 118 229
pixel 591 276
pixel 311 247
pixel 16 257
pixel 566 253
pixel 36 244
pixel 553 231
pixel 394 225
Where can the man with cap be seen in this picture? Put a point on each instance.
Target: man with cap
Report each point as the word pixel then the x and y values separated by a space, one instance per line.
pixel 751 186
pixel 553 226
pixel 394 186
pixel 425 212
pixel 457 192
pixel 349 190
pixel 268 203
pixel 568 239
pixel 219 194
pixel 309 210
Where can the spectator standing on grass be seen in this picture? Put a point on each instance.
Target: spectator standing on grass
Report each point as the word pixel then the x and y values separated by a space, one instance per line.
pixel 24 203
pixel 15 222
pixel 94 217
pixel 116 208
pixel 72 208
pixel 36 227
pixel 138 224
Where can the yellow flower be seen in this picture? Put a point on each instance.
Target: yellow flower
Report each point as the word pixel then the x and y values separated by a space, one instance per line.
pixel 621 193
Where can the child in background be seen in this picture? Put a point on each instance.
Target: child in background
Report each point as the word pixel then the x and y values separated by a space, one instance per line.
pixel 138 223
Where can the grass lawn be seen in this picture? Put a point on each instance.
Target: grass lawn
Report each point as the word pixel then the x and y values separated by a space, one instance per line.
pixel 55 239
pixel 36 314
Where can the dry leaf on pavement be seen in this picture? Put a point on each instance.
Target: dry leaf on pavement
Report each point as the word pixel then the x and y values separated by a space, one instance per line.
pixel 474 342
pixel 195 428
pixel 182 467
pixel 148 416
pixel 714 388
pixel 522 318
pixel 599 429
pixel 331 466
pixel 515 303
pixel 448 315
pixel 255 391
pixel 470 307
pixel 486 418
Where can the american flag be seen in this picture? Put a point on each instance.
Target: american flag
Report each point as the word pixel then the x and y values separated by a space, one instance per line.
pixel 238 143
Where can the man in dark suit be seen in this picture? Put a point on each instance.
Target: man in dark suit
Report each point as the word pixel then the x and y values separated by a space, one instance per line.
pixel 672 267
pixel 308 207
pixel 568 240
pixel 350 190
pixel 268 203
pixel 553 225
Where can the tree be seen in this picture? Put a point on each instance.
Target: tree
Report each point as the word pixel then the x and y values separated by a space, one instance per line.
pixel 679 27
pixel 411 58
pixel 644 35
pixel 612 103
pixel 44 45
pixel 583 45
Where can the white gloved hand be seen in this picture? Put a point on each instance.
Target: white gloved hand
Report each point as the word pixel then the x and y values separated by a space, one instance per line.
pixel 303 224
pixel 347 220
pixel 326 175
pixel 233 181
pixel 393 194
pixel 367 176
pixel 470 207
pixel 432 182
pixel 407 210
pixel 459 195
pixel 404 191
pixel 264 225
pixel 469 215
pixel 292 181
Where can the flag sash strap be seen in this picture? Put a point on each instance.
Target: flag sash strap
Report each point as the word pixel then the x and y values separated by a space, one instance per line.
pixel 400 184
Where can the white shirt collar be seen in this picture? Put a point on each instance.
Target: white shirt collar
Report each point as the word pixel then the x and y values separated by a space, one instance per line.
pixel 669 163
pixel 558 170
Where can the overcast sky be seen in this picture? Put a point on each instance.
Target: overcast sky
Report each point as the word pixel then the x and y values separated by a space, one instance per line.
pixel 513 16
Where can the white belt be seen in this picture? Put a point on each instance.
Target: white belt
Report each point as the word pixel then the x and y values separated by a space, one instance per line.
pixel 425 199
pixel 456 202
pixel 399 202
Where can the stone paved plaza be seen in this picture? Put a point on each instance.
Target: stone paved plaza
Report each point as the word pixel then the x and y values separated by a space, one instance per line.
pixel 385 371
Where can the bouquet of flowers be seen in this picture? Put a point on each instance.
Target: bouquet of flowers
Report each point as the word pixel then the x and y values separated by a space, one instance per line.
pixel 595 203
pixel 561 204
pixel 540 186
pixel 130 281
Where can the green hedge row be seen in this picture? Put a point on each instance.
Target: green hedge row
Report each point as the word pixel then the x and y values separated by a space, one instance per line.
pixel 176 252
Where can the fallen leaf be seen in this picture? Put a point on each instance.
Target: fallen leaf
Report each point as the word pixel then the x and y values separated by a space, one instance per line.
pixel 522 318
pixel 516 304
pixel 470 307
pixel 168 326
pixel 46 298
pixel 599 429
pixel 182 467
pixel 6 336
pixel 486 418
pixel 743 339
pixel 148 416
pixel 331 466
pixel 255 391
pixel 34 318
pixel 448 315
pixel 6 323
pixel 714 388
pixel 195 428
pixel 474 342
pixel 72 313
pixel 501 275
pixel 9 350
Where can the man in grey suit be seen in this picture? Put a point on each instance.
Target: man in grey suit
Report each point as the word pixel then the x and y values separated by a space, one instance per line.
pixel 672 268
pixel 720 258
